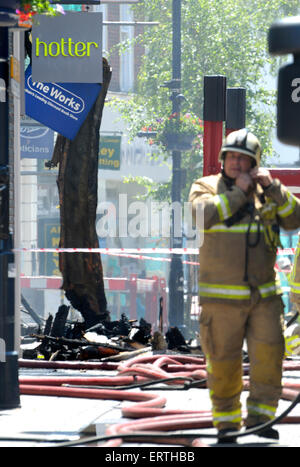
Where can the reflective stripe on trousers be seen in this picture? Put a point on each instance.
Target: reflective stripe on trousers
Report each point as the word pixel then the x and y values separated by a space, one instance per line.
pixel 234 416
pixel 261 409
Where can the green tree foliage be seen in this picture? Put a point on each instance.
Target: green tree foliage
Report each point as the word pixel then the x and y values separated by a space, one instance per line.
pixel 219 37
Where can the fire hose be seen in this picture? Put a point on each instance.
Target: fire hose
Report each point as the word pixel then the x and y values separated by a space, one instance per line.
pixel 140 431
pixel 136 430
pixel 148 412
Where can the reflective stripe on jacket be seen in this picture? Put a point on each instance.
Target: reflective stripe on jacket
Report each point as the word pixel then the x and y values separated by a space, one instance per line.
pixel 237 292
pixel 223 252
pixel 288 208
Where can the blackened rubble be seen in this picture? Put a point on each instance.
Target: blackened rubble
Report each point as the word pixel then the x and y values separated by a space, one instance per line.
pixel 60 339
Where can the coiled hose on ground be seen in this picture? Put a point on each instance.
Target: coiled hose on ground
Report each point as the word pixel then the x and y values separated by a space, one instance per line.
pixel 152 422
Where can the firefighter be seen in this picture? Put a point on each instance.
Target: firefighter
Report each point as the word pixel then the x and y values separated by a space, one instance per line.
pixel 240 296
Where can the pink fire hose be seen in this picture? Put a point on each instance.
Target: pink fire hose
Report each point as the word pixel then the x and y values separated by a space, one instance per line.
pixel 148 412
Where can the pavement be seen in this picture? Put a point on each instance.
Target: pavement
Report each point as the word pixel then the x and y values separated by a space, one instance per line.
pixel 43 421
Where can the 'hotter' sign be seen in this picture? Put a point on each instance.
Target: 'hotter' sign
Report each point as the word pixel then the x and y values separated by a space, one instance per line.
pixel 67 48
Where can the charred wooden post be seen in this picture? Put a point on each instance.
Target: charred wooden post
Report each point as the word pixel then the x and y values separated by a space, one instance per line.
pixel 59 323
pixel 78 185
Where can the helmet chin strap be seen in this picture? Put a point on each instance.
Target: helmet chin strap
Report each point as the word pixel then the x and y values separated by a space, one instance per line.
pixel 224 174
pixel 228 180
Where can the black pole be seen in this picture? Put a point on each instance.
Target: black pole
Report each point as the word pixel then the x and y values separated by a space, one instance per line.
pixel 235 108
pixel 176 303
pixel 9 384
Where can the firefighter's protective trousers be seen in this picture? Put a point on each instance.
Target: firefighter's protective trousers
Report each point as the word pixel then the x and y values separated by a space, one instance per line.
pixel 223 329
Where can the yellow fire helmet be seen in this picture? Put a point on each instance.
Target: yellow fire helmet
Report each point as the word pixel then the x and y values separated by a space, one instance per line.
pixel 242 141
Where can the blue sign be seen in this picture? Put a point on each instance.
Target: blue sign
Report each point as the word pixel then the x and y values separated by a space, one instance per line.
pixel 60 106
pixel 37 142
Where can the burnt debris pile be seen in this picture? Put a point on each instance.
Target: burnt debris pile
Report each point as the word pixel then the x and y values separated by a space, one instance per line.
pixel 59 339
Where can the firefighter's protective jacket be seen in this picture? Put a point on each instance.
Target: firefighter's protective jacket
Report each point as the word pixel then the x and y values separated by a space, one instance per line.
pixel 241 236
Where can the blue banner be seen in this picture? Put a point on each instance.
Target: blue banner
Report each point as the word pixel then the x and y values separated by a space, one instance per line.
pixel 60 106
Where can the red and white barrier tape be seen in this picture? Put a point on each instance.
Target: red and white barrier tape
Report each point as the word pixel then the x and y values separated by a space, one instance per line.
pixel 123 255
pixel 179 251
pixel 55 282
pixel 111 251
pixel 286 251
pixel 110 284
pixel 122 252
pixel 142 257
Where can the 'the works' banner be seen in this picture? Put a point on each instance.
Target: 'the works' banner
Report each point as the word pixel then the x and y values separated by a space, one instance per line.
pixel 60 106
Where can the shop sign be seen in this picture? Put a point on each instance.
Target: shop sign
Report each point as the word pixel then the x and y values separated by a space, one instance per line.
pixel 37 142
pixel 63 107
pixel 110 152
pixel 49 237
pixel 67 48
